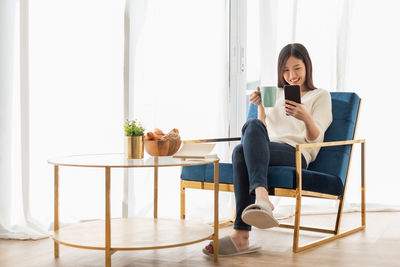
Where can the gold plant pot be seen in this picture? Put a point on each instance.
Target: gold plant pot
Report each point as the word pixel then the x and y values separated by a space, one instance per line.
pixel 134 147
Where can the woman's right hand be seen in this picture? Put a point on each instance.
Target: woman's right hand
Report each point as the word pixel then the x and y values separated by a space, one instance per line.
pixel 255 97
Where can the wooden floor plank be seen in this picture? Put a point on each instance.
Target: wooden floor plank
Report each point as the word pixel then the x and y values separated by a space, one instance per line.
pixel 378 245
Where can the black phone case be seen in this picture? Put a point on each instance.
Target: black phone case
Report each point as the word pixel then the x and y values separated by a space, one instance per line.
pixel 292 92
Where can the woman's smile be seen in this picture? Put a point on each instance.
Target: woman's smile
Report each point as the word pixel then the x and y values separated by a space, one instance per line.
pixel 295 81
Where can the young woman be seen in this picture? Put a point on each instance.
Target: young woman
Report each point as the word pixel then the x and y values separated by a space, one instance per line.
pixel 270 140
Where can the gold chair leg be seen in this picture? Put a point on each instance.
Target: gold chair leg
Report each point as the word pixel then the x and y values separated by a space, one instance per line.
pixel 328 239
pixel 298 200
pixel 363 184
pixel 297 224
pixel 339 215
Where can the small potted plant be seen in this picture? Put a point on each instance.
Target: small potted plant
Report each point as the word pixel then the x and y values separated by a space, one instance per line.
pixel 134 133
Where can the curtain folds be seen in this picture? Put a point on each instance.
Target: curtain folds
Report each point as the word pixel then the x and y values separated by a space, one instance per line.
pixel 7 22
pixel 63 98
pixel 15 215
pixel 178 78
pixel 135 16
pixel 342 46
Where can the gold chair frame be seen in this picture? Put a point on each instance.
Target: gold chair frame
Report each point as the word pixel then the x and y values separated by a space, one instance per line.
pixel 297 193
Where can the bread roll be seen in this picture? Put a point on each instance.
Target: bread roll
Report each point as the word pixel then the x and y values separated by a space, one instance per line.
pixel 154 136
pixel 158 131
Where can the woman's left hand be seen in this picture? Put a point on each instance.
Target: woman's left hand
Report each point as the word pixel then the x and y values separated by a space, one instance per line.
pixel 296 110
pixel 299 112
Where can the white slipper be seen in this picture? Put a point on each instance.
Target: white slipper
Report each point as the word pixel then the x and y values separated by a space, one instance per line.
pixel 259 215
pixel 226 247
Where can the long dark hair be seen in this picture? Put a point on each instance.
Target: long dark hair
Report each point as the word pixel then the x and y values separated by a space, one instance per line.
pixel 298 51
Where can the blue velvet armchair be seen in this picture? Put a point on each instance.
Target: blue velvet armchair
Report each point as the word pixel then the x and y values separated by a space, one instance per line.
pixel 325 178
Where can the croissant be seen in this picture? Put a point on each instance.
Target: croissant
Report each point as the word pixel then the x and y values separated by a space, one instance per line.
pixel 175 131
pixel 172 135
pixel 153 136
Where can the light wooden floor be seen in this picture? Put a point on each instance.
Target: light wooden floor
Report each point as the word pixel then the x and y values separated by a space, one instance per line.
pixel 378 245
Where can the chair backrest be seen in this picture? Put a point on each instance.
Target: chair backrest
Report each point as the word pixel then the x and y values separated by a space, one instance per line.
pixel 334 160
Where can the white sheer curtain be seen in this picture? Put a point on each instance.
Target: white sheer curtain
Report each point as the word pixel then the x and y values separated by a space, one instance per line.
pixel 372 70
pixel 350 52
pixel 70 102
pixel 135 17
pixel 15 213
pixel 180 80
pixel 7 22
pixel 76 102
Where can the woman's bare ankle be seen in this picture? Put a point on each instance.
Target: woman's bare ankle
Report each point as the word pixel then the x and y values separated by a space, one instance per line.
pixel 243 234
pixel 262 195
pixel 241 239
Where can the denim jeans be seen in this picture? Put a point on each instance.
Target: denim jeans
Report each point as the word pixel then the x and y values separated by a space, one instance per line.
pixel 250 161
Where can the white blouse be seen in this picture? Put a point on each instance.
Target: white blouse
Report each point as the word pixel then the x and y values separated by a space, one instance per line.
pixel 287 129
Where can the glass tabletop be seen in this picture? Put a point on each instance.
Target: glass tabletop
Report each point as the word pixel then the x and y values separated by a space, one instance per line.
pixel 120 161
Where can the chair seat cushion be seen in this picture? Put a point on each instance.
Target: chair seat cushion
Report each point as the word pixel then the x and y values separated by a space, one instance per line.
pixel 278 177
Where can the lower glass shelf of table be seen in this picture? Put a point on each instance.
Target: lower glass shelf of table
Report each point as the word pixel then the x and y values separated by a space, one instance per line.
pixel 134 234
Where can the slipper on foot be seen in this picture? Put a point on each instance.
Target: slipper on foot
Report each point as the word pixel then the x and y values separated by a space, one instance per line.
pixel 226 247
pixel 259 215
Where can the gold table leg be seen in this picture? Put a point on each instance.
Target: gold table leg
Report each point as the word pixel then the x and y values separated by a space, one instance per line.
pixel 56 222
pixel 155 192
pixel 216 201
pixel 108 218
pixel 298 201
pixel 182 200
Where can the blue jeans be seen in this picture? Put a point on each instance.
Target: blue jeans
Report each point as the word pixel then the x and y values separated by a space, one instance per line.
pixel 250 161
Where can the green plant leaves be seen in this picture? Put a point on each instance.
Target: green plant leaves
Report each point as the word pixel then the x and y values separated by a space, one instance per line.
pixel 133 128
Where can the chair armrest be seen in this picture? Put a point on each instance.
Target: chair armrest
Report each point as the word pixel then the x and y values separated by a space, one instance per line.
pixel 212 140
pixel 334 143
pixel 299 147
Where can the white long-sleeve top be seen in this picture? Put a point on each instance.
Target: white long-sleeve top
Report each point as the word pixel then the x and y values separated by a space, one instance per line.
pixel 287 129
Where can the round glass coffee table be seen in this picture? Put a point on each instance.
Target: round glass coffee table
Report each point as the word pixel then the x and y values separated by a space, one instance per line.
pixel 112 235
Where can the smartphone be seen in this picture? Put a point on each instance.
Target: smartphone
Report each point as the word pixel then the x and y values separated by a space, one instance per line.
pixel 292 92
